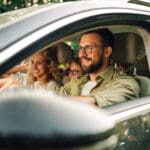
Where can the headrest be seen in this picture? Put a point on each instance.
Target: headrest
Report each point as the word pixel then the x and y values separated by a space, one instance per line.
pixel 64 53
pixel 127 46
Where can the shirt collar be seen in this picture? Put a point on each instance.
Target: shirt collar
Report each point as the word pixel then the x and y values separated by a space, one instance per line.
pixel 107 74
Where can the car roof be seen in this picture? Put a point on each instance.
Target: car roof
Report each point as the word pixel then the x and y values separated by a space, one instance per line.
pixel 49 14
pixel 83 5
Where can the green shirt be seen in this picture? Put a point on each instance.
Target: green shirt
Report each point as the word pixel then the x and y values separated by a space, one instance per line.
pixel 111 87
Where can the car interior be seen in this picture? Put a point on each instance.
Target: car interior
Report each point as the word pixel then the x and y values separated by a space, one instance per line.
pixel 129 53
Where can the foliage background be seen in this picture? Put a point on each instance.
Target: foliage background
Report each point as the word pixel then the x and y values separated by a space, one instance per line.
pixel 7 5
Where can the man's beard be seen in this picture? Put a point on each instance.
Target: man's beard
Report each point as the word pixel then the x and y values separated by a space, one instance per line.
pixel 93 67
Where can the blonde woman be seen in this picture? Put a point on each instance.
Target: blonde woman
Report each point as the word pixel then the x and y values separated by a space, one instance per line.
pixel 42 72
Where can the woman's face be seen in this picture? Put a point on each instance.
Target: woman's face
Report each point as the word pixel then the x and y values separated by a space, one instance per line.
pixel 39 66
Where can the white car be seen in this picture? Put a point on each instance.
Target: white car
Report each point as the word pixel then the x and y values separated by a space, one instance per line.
pixel 33 119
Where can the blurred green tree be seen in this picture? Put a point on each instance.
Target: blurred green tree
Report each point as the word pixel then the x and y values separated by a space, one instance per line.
pixel 7 5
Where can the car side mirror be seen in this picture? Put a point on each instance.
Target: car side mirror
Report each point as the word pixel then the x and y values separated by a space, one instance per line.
pixel 40 119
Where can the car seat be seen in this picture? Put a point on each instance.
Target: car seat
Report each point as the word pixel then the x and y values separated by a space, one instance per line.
pixel 64 54
pixel 129 51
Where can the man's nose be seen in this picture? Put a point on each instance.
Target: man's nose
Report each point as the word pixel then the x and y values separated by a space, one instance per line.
pixel 82 53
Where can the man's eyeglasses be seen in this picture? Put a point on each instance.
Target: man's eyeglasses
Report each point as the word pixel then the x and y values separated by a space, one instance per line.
pixel 87 48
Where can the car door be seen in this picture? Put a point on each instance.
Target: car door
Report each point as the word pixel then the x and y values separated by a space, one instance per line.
pixel 132 124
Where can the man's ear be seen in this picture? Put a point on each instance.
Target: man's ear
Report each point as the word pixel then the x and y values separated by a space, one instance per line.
pixel 107 52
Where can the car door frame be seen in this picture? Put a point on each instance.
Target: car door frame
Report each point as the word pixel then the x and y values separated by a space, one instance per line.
pixel 54 31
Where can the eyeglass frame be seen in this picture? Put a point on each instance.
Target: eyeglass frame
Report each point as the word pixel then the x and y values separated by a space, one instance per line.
pixel 74 71
pixel 89 49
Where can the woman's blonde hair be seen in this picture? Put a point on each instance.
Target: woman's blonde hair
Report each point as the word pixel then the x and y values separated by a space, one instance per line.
pixel 52 66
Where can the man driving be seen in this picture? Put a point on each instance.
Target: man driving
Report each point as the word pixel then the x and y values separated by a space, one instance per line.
pixel 102 84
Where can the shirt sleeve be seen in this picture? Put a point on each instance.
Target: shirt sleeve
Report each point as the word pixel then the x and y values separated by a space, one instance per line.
pixel 72 87
pixel 64 90
pixel 118 90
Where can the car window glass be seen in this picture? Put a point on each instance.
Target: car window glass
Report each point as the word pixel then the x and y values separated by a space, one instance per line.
pixel 129 54
pixel 134 133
